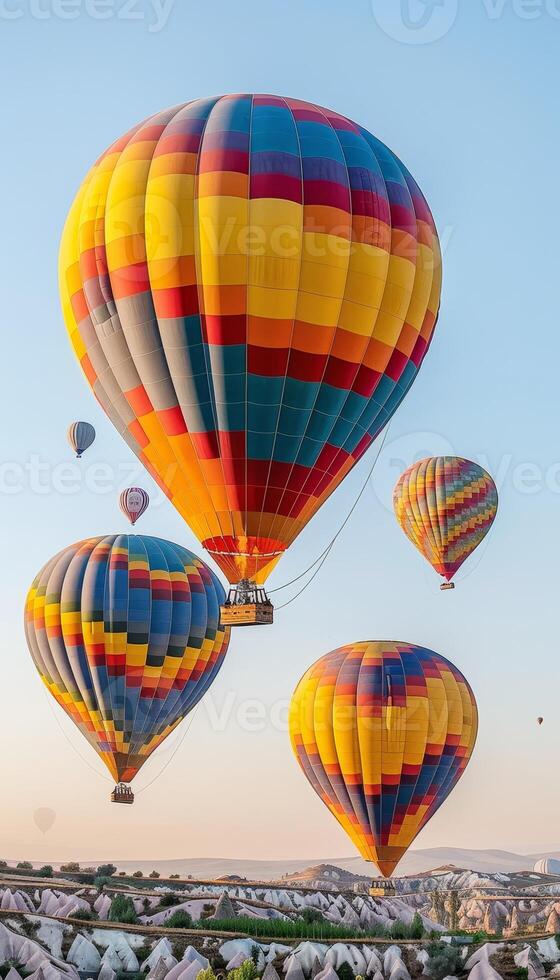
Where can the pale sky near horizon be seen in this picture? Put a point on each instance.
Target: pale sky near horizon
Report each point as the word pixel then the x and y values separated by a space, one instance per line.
pixel 466 95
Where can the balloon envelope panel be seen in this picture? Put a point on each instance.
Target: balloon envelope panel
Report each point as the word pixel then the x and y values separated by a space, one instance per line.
pixel 445 505
pixel 383 731
pixel 124 631
pixel 250 284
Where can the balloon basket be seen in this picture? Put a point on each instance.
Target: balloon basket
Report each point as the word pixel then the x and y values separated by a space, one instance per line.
pixel 445 586
pixel 122 794
pixel 247 605
pixel 382 889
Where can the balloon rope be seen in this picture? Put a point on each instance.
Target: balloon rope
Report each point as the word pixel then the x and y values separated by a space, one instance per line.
pixel 323 557
pixel 70 742
pixel 187 729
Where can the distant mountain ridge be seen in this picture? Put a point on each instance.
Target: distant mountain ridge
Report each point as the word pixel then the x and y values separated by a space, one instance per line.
pixel 414 862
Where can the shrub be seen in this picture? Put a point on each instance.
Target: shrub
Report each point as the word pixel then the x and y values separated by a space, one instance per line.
pixel 207 974
pixel 122 910
pixel 311 915
pixel 85 915
pixel 169 899
pixel 138 874
pixel 46 871
pixel 154 874
pixel 24 865
pixel 247 971
pixel 71 866
pixel 345 972
pixel 179 920
pixel 414 930
pixel 522 972
pixel 444 960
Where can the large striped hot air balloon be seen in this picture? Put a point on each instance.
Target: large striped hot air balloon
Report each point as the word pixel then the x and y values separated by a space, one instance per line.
pixel 445 505
pixel 383 731
pixel 125 633
pixel 250 284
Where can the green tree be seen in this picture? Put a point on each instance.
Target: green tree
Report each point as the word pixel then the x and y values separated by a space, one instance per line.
pixel 138 874
pixel 154 874
pixel 46 871
pixel 169 899
pixel 122 910
pixel 444 961
pixel 25 865
pixel 106 870
pixel 179 920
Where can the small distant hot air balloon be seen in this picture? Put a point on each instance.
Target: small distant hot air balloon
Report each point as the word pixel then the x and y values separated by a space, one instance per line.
pixel 125 633
pixel 445 505
pixel 44 818
pixel 540 721
pixel 249 379
pixel 134 502
pixel 81 435
pixel 383 731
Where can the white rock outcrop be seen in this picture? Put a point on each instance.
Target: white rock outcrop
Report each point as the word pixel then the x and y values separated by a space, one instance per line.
pixel 84 955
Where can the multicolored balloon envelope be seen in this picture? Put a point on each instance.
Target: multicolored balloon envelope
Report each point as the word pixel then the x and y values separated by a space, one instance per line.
pixel 445 505
pixel 125 633
pixel 383 731
pixel 250 284
pixel 134 501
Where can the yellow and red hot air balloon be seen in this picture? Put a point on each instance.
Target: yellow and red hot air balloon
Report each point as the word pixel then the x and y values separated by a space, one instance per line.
pixel 445 505
pixel 383 731
pixel 125 633
pixel 250 284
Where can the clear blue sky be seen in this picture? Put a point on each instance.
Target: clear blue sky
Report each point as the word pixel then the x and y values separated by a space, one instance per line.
pixel 473 114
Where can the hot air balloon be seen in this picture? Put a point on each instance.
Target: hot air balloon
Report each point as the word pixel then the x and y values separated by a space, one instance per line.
pixel 44 818
pixel 134 502
pixel 383 731
pixel 81 435
pixel 125 633
pixel 250 284
pixel 445 505
pixel 540 721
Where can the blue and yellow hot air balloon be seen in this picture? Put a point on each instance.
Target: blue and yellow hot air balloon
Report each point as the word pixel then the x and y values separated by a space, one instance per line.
pixel 383 731
pixel 125 633
pixel 250 284
pixel 81 435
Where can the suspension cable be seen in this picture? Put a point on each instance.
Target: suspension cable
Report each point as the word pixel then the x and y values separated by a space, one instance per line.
pixel 325 554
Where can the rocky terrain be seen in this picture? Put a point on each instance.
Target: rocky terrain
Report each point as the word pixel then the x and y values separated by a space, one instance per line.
pixel 449 922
